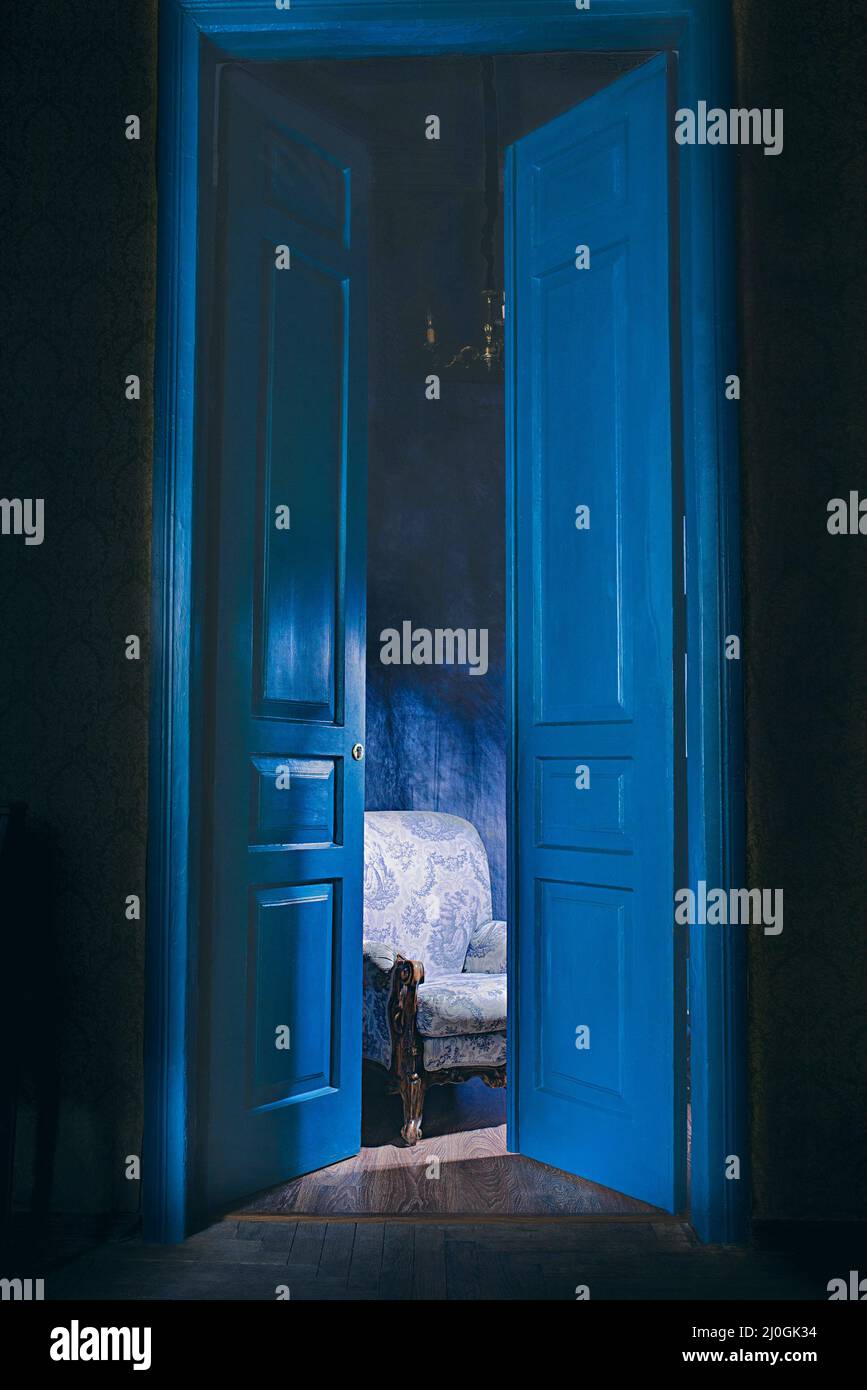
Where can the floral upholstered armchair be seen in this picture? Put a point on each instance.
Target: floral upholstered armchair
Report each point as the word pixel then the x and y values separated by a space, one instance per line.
pixel 434 960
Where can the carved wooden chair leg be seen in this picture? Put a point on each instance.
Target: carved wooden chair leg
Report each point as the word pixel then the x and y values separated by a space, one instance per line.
pixel 408 975
pixel 495 1079
pixel 412 1089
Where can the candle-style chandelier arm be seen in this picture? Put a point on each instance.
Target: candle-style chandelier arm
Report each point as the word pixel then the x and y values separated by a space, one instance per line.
pixel 488 355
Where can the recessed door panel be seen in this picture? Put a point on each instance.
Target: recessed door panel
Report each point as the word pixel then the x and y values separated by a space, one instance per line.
pixel 591 173
pixel 582 956
pixel 581 667
pixel 299 638
pixel 294 801
pixel 291 1003
pixel 306 183
pixel 585 803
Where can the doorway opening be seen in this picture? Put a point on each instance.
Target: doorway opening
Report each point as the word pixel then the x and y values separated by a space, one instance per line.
pixel 182 1085
pixel 437 668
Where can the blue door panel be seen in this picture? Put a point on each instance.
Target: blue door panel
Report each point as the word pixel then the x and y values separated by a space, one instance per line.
pixel 297 629
pixel 598 1031
pixel 597 819
pixel 584 933
pixel 290 970
pixel 281 939
pixel 304 812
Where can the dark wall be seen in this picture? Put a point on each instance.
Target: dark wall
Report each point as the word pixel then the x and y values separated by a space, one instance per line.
pixel 73 712
pixel 802 258
pixel 78 310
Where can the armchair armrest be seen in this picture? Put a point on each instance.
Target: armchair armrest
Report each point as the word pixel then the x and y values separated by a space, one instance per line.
pixel 389 1008
pixel 379 959
pixel 378 967
pixel 486 953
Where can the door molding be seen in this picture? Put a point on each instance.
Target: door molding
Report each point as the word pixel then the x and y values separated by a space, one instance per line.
pixel 698 31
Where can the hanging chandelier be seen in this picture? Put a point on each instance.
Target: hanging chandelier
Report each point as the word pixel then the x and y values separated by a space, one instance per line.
pixel 484 359
pixel 487 354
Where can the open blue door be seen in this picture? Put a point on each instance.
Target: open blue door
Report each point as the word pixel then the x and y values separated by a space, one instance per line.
pixel 597 1038
pixel 281 929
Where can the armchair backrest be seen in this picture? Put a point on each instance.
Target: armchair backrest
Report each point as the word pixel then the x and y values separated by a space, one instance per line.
pixel 426 886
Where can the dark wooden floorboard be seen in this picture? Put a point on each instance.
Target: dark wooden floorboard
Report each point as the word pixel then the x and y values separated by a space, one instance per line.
pixel 463 1275
pixel 337 1253
pixel 398 1260
pixel 307 1246
pixel 275 1235
pixel 429 1274
pixel 367 1256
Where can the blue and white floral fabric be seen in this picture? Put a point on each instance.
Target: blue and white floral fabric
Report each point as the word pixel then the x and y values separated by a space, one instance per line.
pixel 470 1050
pixel 379 962
pixel 426 886
pixel 456 1004
pixel 486 953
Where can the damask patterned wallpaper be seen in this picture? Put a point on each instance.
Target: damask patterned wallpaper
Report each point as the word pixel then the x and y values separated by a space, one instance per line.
pixel 804 440
pixel 73 711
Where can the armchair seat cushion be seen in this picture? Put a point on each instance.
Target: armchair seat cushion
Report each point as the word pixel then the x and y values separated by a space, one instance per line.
pixel 469 1050
pixel 461 1003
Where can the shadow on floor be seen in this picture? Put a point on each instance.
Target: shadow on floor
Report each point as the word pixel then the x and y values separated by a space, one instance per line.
pixel 447 1110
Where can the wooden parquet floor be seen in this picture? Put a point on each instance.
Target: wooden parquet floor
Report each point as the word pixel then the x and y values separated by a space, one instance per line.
pixel 492 1226
pixel 434 1260
pixel 460 1168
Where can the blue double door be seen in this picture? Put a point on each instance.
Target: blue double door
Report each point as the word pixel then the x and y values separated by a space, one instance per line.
pixel 594 1018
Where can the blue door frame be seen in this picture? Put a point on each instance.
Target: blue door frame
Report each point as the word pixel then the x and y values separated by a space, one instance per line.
pixel 697 32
